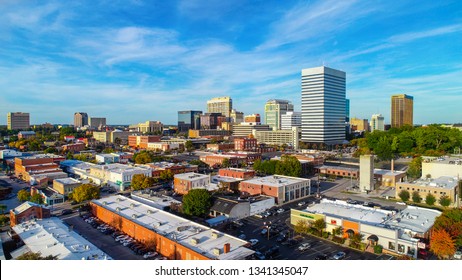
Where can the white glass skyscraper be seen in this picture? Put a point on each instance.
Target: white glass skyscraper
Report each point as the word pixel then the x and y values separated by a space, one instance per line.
pixel 323 105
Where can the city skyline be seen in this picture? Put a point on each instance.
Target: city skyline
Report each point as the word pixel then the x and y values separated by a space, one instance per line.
pixel 147 61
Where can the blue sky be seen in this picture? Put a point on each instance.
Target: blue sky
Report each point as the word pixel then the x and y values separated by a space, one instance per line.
pixel 132 61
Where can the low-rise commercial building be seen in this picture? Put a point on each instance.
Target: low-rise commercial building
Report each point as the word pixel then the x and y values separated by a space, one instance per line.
pixel 284 189
pixel 38 165
pixel 223 147
pixel 291 138
pixel 75 147
pixel 170 235
pixel 162 146
pixel 49 195
pixel 342 171
pixel 26 134
pixel 117 175
pixel 438 187
pixel 389 178
pixel 400 232
pixel 175 168
pixel 28 211
pixel 66 185
pixel 147 127
pixel 52 237
pixel 238 173
pixel 183 183
pixel 245 144
pixel 442 166
pixel 107 158
pixel 135 141
pixel 246 129
pixel 195 133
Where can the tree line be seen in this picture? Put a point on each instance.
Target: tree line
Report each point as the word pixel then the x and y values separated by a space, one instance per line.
pixel 287 166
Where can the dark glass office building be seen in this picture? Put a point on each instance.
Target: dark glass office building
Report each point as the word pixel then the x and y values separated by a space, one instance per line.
pixel 189 120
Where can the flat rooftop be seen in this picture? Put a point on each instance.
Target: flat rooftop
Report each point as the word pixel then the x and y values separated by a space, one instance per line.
pixel 444 182
pixel 276 180
pixel 191 176
pixel 150 198
pixel 351 169
pixel 42 156
pixel 218 178
pixel 386 172
pixel 414 218
pixel 52 237
pixel 181 230
pixel 120 168
pixel 443 160
pixel 341 209
pixel 67 181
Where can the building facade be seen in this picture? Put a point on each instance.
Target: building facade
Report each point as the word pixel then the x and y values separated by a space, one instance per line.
pixel 274 109
pixel 97 122
pixel 290 120
pixel 222 105
pixel 236 116
pixel 183 183
pixel 402 110
pixel 66 185
pixel 254 118
pixel 377 123
pixel 245 144
pixel 148 127
pixel 323 105
pixel 290 137
pixel 359 124
pixel 246 129
pixel 189 120
pixel 238 173
pixel 18 120
pixel 80 119
pixel 441 186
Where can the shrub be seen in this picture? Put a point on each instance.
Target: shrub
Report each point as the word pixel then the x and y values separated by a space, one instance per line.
pixel 378 249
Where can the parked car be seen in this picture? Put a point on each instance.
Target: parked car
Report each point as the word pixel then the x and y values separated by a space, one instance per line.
pixel 458 254
pixel 301 203
pixel 321 257
pixel 259 255
pixel 264 231
pixel 339 256
pixel 66 212
pixel 280 210
pixel 149 255
pixel 120 237
pixel 304 246
pixel 242 236
pixel 271 252
pixel 253 242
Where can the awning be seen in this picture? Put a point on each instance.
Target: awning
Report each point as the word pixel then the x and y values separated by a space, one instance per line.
pixel 373 237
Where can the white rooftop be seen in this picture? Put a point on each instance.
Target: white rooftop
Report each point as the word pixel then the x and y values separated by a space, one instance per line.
pixel 386 172
pixel 52 237
pixel 24 206
pixel 445 182
pixel 355 212
pixel 67 181
pixel 121 168
pixel 191 176
pixel 276 180
pixel 149 197
pixel 414 218
pixel 183 231
pixel 217 178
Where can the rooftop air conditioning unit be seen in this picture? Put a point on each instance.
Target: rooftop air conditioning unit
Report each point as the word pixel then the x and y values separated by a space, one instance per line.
pixel 194 241
pixel 215 235
pixel 118 209
pixel 132 205
pixel 149 211
pixel 104 202
pixel 216 251
pixel 134 216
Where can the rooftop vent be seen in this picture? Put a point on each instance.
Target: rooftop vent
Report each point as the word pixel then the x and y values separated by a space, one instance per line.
pixel 132 205
pixel 216 251
pixel 194 241
pixel 118 209
pixel 134 216
pixel 104 202
pixel 149 211
pixel 215 235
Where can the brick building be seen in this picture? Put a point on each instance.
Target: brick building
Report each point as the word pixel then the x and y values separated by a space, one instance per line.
pixel 28 211
pixel 284 189
pixel 76 147
pixel 183 183
pixel 238 173
pixel 170 235
pixel 245 144
pixel 46 164
pixel 141 142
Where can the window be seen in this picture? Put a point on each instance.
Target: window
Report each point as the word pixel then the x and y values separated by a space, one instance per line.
pixel 391 246
pixel 401 248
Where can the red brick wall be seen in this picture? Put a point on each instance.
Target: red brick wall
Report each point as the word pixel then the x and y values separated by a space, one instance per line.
pixel 161 244
pixel 32 212
pixel 236 173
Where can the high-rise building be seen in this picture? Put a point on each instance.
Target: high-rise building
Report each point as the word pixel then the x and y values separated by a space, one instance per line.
pixel 377 122
pixel 359 124
pixel 274 108
pixel 402 111
pixel 210 120
pixel 323 105
pixel 254 118
pixel 236 117
pixel 97 122
pixel 80 119
pixel 189 120
pixel 18 120
pixel 290 120
pixel 347 110
pixel 147 127
pixel 222 105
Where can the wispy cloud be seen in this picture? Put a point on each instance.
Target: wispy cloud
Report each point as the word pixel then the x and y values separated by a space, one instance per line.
pixel 412 36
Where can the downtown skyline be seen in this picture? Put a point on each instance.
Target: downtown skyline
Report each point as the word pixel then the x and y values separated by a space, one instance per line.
pixel 146 61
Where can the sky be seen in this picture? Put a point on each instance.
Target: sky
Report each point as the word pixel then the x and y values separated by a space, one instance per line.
pixel 133 61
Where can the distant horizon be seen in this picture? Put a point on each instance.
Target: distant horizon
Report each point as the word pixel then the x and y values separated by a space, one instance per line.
pixel 148 60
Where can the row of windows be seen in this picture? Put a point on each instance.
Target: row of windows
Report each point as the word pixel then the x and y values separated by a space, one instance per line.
pixel 423 190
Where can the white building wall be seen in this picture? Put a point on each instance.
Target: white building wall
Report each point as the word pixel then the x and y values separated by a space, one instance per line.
pixel 261 205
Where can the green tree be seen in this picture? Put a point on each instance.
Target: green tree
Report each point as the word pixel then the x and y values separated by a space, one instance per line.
pixel 404 195
pixel 143 157
pixel 301 227
pixel 444 201
pixel 430 199
pixel 197 202
pixel 166 175
pixel 415 168
pixel 108 150
pixel 4 220
pixel 198 163
pixel 36 198
pixel 85 192
pixel 226 163
pixel 319 225
pixel 2 208
pixel 189 146
pixel 141 181
pixel 289 166
pixel 416 197
pixel 24 195
pixel 257 165
pixel 356 239
pixel 35 256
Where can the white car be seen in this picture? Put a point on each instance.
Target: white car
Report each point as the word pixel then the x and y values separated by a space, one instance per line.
pixel 458 255
pixel 280 210
pixel 149 255
pixel 253 242
pixel 303 247
pixel 301 203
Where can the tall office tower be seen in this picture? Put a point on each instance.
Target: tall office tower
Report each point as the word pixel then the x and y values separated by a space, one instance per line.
pixel 189 120
pixel 97 122
pixel 274 108
pixel 18 120
pixel 254 118
pixel 80 119
pixel 236 117
pixel 290 120
pixel 359 124
pixel 222 105
pixel 210 120
pixel 323 105
pixel 347 110
pixel 377 122
pixel 402 110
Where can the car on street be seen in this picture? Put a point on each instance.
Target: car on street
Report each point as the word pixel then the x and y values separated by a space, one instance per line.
pixel 66 212
pixel 149 255
pixel 242 236
pixel 339 255
pixel 259 255
pixel 458 254
pixel 304 246
pixel 264 231
pixel 271 252
pixel 280 210
pixel 301 203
